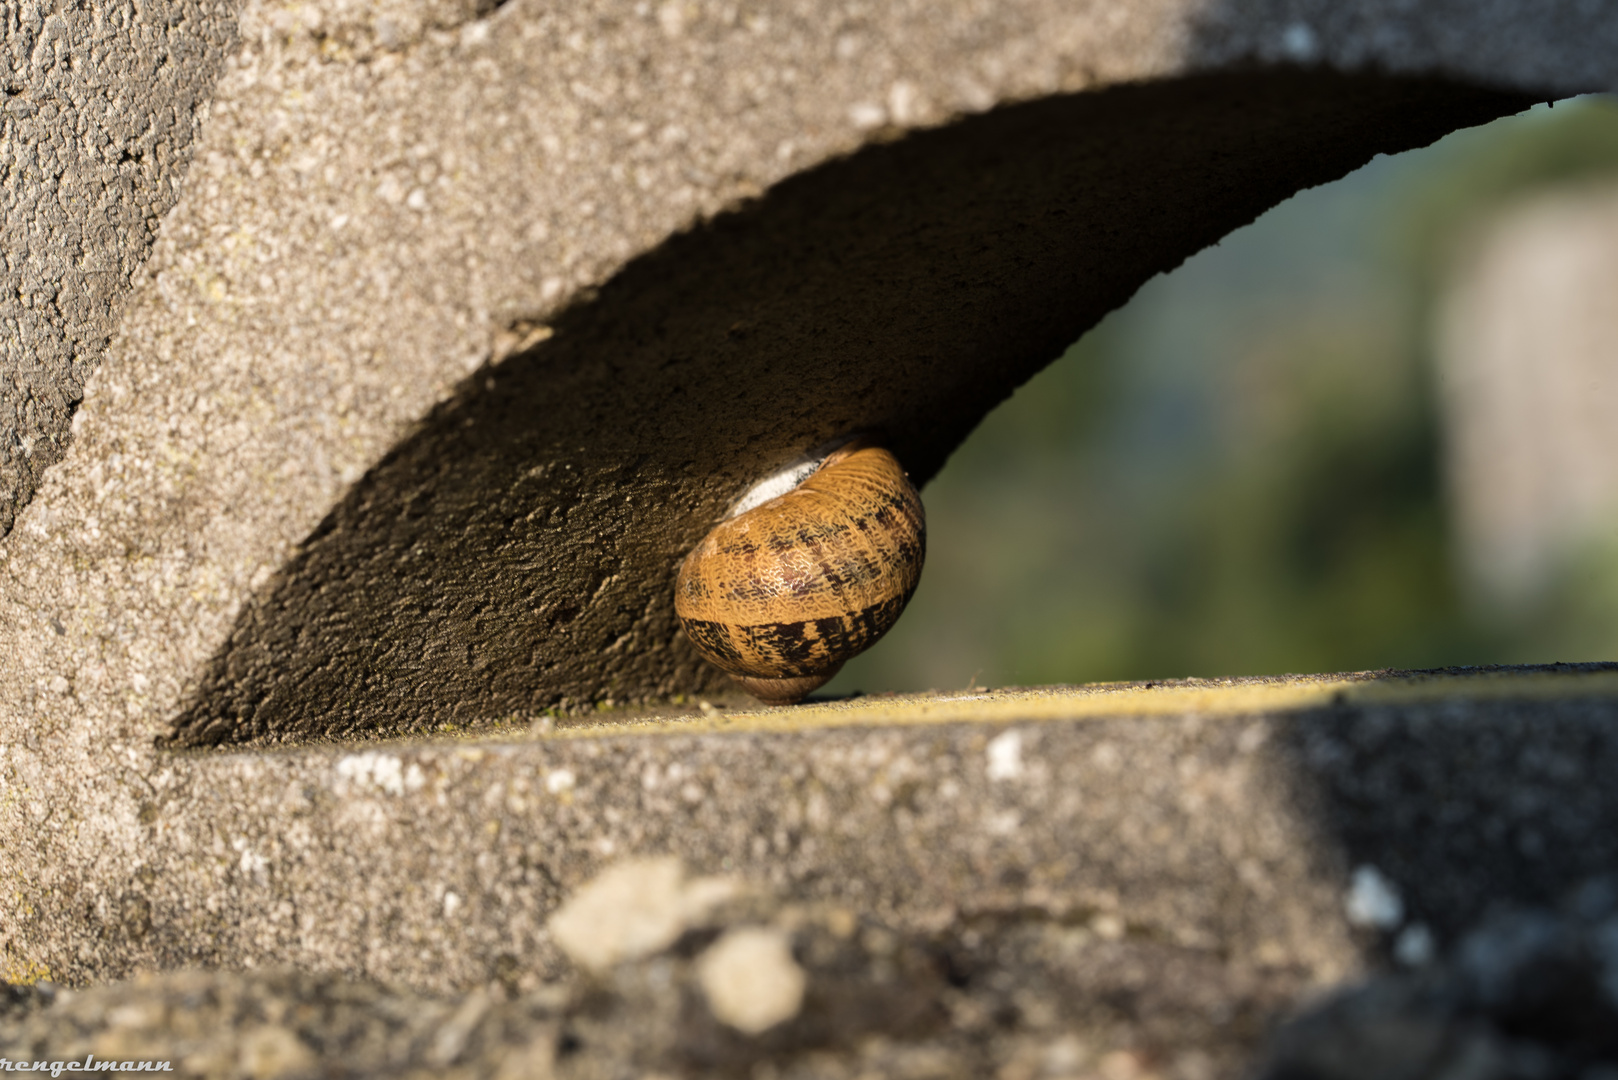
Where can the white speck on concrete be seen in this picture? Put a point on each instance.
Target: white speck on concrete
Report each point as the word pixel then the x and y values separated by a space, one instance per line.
pixel 904 102
pixel 559 780
pixel 633 909
pixel 390 190
pixel 1064 1057
pixel 1300 43
pixel 1003 822
pixel 1005 756
pixel 383 771
pixel 867 115
pixel 1253 736
pixel 671 17
pixel 750 979
pixel 1415 946
pixel 452 904
pixel 1372 900
pixel 252 863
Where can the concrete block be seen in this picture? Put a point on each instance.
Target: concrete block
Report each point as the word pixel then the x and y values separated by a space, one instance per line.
pixel 1106 881
pixel 99 110
pixel 468 323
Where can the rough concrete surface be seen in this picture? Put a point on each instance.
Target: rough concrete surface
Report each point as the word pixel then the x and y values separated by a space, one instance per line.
pixel 1220 821
pixel 1013 997
pixel 470 320
pixel 98 109
pixel 1109 882
pixel 296 510
pixel 1530 994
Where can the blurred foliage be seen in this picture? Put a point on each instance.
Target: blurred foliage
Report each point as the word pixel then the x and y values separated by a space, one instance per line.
pixel 1239 472
pixel 1471 176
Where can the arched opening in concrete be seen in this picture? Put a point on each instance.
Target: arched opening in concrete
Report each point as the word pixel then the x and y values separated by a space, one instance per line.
pixel 1288 454
pixel 516 553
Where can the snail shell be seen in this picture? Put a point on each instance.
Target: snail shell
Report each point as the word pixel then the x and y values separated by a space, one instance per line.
pixel 781 595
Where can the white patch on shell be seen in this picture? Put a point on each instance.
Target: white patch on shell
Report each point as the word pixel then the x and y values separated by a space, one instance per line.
pixel 774 486
pixel 786 478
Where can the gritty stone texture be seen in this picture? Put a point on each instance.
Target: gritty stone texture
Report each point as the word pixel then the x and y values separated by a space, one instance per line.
pixel 98 109
pixel 284 1024
pixel 469 323
pixel 1530 994
pixel 763 986
pixel 1216 825
pixel 19 999
pixel 1026 998
pixel 337 477
pixel 1019 994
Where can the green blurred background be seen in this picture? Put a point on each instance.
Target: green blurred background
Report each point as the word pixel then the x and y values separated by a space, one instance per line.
pixel 1239 472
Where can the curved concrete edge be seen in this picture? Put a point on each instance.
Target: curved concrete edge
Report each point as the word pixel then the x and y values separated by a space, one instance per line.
pixel 516 551
pixel 98 112
pixel 385 204
pixel 1219 819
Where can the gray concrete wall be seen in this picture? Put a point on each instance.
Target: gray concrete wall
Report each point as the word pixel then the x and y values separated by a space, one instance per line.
pixel 1151 871
pixel 100 108
pixel 467 324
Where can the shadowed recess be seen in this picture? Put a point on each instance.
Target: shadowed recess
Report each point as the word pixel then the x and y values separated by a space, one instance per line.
pixel 518 551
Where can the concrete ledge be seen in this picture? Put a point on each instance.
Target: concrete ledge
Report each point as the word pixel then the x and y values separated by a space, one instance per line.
pixel 1221 820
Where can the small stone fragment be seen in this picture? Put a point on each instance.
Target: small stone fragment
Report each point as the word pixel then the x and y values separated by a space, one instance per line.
pixel 1517 1000
pixel 1005 756
pixel 1415 946
pixel 1373 900
pixel 630 910
pixel 633 909
pixel 751 980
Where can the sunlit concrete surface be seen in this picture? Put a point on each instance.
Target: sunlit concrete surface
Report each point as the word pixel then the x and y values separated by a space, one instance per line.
pixel 469 320
pixel 1225 820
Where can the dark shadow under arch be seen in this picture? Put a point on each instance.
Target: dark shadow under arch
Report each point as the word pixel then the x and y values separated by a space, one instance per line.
pixel 517 551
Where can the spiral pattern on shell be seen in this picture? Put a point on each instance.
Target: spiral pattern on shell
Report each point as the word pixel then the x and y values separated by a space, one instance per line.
pixel 782 595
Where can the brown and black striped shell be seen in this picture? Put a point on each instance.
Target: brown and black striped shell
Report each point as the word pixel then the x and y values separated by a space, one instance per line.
pixel 781 595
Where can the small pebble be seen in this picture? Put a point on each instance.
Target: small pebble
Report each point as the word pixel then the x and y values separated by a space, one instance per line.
pixel 1373 901
pixel 750 979
pixel 633 909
